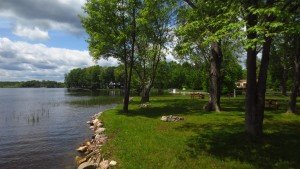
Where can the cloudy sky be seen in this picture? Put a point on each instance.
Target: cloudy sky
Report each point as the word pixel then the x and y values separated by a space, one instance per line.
pixel 42 39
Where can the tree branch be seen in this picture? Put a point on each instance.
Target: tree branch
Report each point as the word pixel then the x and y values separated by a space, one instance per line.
pixel 190 3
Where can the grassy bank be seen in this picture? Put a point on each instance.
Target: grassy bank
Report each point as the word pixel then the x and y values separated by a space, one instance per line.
pixel 203 140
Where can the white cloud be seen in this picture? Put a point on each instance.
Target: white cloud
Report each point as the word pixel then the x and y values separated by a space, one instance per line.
pixel 33 33
pixel 43 15
pixel 24 61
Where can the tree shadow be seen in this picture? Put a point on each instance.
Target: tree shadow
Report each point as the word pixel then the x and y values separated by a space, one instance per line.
pixel 279 147
pixel 169 107
pixel 229 104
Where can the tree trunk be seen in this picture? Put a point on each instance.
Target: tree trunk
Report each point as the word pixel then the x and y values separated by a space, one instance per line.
pixel 261 86
pixel 295 89
pixel 251 117
pixel 215 78
pixel 145 94
pixel 131 62
pixel 283 82
pixel 255 94
pixel 126 98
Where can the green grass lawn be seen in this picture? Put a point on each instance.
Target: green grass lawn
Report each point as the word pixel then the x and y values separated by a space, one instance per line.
pixel 140 139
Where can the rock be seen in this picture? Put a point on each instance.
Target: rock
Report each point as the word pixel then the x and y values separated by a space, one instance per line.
pixel 171 118
pixel 88 143
pixel 99 124
pixel 101 140
pixel 130 99
pixel 98 136
pixel 98 160
pixel 82 149
pixel 92 127
pixel 112 163
pixel 95 121
pixel 80 160
pixel 104 164
pixel 164 118
pixel 100 130
pixel 87 165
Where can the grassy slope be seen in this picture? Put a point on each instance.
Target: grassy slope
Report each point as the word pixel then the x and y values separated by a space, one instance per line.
pixel 203 140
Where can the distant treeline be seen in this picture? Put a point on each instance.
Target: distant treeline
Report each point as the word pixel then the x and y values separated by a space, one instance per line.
pixel 169 75
pixel 32 84
pixel 94 77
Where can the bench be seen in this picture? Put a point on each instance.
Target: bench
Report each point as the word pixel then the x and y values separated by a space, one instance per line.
pixel 197 95
pixel 272 103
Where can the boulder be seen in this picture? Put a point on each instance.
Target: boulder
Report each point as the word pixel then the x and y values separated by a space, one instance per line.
pixel 82 149
pixel 101 140
pixel 164 118
pixel 100 130
pixel 95 121
pixel 80 160
pixel 104 164
pixel 87 165
pixel 99 124
pixel 88 143
pixel 92 127
pixel 171 118
pixel 112 163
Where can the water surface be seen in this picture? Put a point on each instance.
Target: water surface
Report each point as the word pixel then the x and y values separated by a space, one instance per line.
pixel 40 129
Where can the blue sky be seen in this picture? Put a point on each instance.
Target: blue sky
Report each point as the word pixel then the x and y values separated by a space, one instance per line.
pixel 42 40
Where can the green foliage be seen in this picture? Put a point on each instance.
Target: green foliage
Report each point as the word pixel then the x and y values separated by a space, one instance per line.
pixel 94 77
pixel 231 72
pixel 209 21
pixel 281 62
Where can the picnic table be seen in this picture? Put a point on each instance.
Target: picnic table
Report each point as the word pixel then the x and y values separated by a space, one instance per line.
pixel 272 103
pixel 197 95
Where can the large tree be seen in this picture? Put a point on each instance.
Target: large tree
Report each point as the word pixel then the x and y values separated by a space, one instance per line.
pixel 264 20
pixel 111 26
pixel 204 27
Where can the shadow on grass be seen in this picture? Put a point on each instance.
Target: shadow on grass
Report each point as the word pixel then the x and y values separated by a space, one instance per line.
pixel 167 107
pixel 233 104
pixel 279 148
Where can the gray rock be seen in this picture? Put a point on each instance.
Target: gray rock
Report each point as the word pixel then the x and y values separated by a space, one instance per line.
pixel 87 165
pixel 82 149
pixel 112 163
pixel 100 130
pixel 164 118
pixel 96 121
pixel 171 118
pixel 104 164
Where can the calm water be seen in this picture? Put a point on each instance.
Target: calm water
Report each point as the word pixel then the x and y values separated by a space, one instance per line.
pixel 40 129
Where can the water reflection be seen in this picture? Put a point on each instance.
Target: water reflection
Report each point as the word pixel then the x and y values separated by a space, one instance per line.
pixel 39 129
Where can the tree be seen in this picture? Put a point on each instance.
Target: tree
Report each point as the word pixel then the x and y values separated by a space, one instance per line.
pixel 111 26
pixel 264 20
pixel 153 35
pixel 281 63
pixel 205 26
pixel 296 85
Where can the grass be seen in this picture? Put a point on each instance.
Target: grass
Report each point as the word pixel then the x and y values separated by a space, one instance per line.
pixel 203 140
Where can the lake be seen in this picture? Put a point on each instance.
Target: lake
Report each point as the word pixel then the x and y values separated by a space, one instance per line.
pixel 39 128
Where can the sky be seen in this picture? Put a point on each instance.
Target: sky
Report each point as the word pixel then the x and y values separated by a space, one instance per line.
pixel 42 40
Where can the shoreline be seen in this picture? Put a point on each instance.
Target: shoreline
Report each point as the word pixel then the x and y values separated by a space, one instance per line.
pixel 90 155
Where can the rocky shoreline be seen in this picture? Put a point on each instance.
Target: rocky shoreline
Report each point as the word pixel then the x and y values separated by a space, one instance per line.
pixel 90 151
